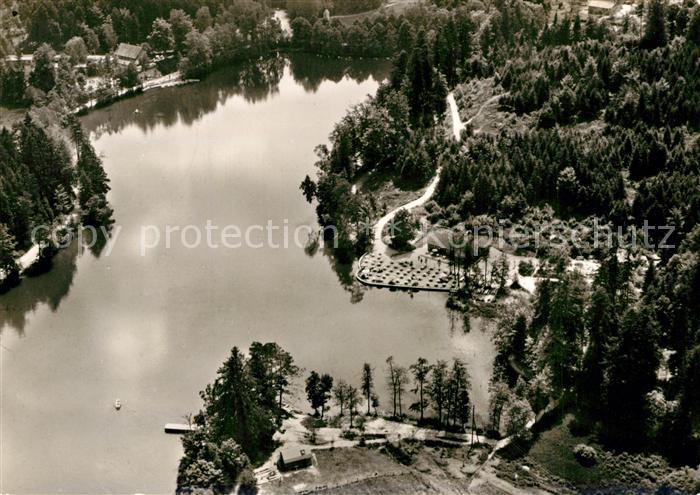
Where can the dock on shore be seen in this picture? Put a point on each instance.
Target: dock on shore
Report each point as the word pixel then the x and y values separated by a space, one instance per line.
pixel 179 428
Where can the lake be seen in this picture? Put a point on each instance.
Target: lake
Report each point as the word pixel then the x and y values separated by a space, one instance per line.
pixel 152 326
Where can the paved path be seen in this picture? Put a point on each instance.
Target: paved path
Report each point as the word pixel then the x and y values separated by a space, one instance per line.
pixel 457 126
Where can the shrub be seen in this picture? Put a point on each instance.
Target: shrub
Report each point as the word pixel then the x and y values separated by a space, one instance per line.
pixel 585 454
pixel 526 268
pixel 348 434
pixel 248 484
pixel 403 452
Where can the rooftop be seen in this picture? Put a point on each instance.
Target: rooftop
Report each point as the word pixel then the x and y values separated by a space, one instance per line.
pixel 128 51
pixel 601 4
pixel 291 455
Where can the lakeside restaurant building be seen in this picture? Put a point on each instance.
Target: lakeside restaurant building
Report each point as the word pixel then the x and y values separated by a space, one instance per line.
pixel 599 8
pixel 446 242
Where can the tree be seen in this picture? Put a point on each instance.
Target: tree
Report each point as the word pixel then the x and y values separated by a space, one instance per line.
pixel 602 329
pixel 92 41
pixel 94 185
pixel 272 369
pixel 375 403
pixel 200 474
pixel 233 408
pixel 510 341
pixel 129 76
pixel 325 388
pixel 210 465
pixel 13 85
pixel 108 37
pixel 401 382
pixel 198 59
pixel 318 389
pixel 313 394
pixel 565 331
pixel 518 413
pixel 437 390
pixel 43 75
pixel 283 371
pixel 500 273
pixel 8 267
pixel 397 378
pixel 126 25
pixel 181 25
pixel 501 396
pixel 203 19
pixel 402 228
pixel 340 393
pixel 367 386
pixel 161 38
pixel 301 31
pixel 458 394
pixel 631 376
pixel 76 50
pixel 420 370
pixel 693 30
pixel 248 484
pixel 307 9
pixel 308 187
pixel 655 30
pixel 43 25
pixel 353 400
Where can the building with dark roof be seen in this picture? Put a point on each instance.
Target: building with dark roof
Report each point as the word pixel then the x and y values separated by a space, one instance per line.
pixel 295 458
pixel 128 54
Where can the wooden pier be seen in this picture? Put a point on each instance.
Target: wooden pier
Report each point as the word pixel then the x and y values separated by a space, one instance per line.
pixel 179 428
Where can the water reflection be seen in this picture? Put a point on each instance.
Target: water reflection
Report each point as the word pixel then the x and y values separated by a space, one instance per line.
pixel 310 72
pixel 254 82
pixel 49 288
pixel 345 273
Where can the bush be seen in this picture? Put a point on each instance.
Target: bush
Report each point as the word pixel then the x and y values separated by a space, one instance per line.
pixel 402 230
pixel 402 451
pixel 526 268
pixel 586 455
pixel 247 483
pixel 348 434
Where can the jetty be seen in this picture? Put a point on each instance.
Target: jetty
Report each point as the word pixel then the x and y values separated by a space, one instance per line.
pixel 179 428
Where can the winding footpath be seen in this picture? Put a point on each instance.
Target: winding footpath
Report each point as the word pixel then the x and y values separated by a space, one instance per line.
pixel 457 126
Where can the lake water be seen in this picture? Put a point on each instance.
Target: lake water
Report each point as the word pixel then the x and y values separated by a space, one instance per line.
pixel 152 330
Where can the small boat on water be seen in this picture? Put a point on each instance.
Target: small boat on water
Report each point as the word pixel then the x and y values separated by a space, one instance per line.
pixel 117 404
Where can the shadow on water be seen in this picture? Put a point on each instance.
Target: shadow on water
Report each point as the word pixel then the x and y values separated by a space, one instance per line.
pixel 346 275
pixel 254 82
pixel 310 71
pixel 49 288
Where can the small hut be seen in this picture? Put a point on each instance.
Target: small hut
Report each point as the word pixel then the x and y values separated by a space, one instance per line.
pixel 295 458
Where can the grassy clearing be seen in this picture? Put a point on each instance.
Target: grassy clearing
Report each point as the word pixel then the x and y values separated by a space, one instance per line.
pixel 11 116
pixel 337 468
pixel 380 185
pixel 357 470
pixel 478 100
pixel 390 7
pixel 551 463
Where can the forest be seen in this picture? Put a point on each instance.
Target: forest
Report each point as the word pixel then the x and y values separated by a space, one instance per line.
pixel 612 119
pixel 611 132
pixel 38 182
